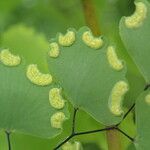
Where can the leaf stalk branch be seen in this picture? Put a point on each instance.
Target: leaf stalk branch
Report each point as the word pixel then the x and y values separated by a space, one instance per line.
pixel 8 139
pixel 114 128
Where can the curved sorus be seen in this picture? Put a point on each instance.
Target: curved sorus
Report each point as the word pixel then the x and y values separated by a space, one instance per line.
pixel 36 77
pixel 136 20
pixel 117 94
pixel 57 120
pixel 56 99
pixel 54 50
pixel 147 99
pixel 72 146
pixel 77 145
pixel 67 146
pixel 92 41
pixel 8 59
pixel 113 60
pixel 67 39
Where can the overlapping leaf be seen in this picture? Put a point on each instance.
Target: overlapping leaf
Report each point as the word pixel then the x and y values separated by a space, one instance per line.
pixel 24 106
pixel 135 34
pixel 142 122
pixel 110 13
pixel 136 40
pixel 87 77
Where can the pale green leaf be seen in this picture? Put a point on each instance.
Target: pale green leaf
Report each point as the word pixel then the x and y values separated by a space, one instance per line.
pixel 142 122
pixel 24 106
pixel 136 40
pixel 87 77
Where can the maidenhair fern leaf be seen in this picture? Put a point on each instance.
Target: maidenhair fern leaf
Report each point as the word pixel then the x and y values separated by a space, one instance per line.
pixel 143 121
pixel 91 74
pixel 27 43
pixel 135 33
pixel 25 103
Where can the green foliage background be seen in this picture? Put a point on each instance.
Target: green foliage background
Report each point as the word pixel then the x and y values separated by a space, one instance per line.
pixel 47 17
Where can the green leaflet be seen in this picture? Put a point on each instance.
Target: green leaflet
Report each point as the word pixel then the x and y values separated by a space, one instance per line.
pixel 142 122
pixel 131 147
pixel 136 38
pixel 87 77
pixel 135 35
pixel 31 142
pixel 26 42
pixel 24 106
pixel 111 30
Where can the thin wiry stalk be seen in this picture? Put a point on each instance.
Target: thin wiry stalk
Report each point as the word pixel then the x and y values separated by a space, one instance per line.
pixel 8 139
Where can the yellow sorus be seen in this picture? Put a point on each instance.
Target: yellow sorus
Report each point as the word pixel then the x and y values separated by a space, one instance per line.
pixel 77 146
pixel 36 77
pixel 113 60
pixel 67 146
pixel 67 39
pixel 57 120
pixel 56 99
pixel 91 41
pixel 54 50
pixel 72 146
pixel 138 17
pixel 147 99
pixel 117 94
pixel 8 59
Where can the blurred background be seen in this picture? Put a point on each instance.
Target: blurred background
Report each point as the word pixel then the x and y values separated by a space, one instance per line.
pixel 40 20
pixel 52 16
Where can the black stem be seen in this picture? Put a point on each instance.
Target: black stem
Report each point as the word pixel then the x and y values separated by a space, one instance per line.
pixel 126 114
pixel 73 133
pixel 8 139
pixel 91 132
pixel 73 130
pixel 62 143
pixel 128 111
pixel 146 87
pixel 94 131
pixel 82 133
pixel 74 120
pixel 129 137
